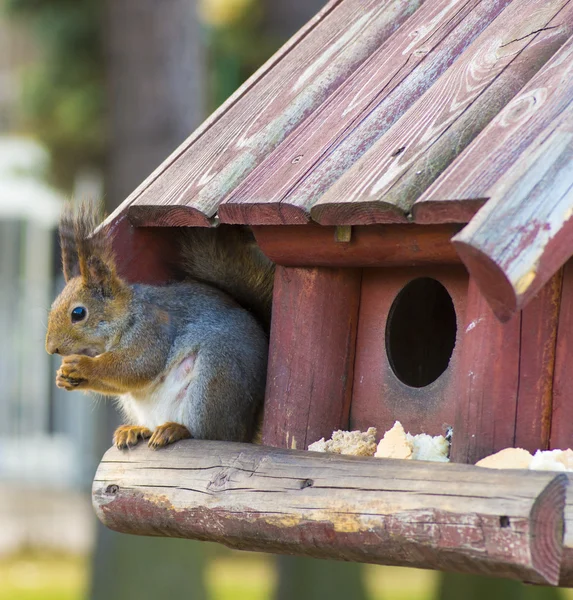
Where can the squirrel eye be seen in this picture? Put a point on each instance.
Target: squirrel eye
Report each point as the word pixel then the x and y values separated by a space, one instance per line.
pixel 79 313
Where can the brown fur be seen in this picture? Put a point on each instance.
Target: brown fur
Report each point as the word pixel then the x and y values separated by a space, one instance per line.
pixel 228 258
pixel 131 333
pixel 78 245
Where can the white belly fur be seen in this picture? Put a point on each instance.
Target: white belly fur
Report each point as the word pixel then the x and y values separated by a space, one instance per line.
pixel 165 399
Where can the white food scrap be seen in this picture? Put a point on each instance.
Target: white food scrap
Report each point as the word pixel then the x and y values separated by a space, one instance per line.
pixel 426 447
pixel 320 446
pixel 395 444
pixel 509 458
pixel 355 443
pixel 517 458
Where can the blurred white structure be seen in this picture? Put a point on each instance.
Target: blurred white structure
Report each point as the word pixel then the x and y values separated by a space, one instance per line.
pixel 45 434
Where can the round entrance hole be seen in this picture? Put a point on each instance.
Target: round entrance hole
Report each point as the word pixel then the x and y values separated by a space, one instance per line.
pixel 421 332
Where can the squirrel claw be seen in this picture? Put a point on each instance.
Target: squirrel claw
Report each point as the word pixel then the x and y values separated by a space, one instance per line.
pixel 68 383
pixel 168 433
pixel 127 436
pixel 72 374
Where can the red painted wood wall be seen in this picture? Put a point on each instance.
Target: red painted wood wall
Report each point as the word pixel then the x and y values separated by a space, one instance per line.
pixel 506 384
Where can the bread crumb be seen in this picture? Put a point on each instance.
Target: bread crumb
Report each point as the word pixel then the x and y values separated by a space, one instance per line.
pixel 566 458
pixel 355 443
pixel 547 461
pixel 509 458
pixel 319 446
pixel 427 447
pixel 395 444
pixel 517 458
pixel 552 460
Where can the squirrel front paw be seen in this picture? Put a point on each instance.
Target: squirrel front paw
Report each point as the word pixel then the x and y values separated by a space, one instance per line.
pixel 74 372
pixel 128 435
pixel 168 433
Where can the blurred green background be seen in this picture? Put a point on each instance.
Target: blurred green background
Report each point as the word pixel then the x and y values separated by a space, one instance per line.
pixel 94 94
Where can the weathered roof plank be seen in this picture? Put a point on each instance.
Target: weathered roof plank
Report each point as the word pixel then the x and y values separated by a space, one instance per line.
pixel 462 189
pixel 284 187
pixel 383 185
pixel 234 144
pixel 522 236
pixel 393 111
pixel 221 110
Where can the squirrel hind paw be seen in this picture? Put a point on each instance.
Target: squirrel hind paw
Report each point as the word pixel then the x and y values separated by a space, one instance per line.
pixel 168 433
pixel 127 436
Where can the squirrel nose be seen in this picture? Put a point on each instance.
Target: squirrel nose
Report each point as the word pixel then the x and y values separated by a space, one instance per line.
pixel 52 349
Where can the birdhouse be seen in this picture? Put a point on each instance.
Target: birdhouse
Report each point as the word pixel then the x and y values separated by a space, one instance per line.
pixel 408 166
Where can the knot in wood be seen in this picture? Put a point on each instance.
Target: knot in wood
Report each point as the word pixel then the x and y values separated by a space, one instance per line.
pixel 219 481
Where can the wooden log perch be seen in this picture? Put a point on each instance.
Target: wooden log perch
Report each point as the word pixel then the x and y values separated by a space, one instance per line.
pixel 566 576
pixel 409 513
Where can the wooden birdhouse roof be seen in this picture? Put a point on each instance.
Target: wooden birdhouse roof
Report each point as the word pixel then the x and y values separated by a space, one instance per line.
pixel 381 130
pixel 399 111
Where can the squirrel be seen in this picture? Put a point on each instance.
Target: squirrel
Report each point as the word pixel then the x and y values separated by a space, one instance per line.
pixel 186 359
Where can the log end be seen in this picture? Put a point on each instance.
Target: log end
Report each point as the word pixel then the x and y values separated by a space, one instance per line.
pixel 167 215
pixel 358 212
pixel 547 529
pixel 490 278
pixel 262 213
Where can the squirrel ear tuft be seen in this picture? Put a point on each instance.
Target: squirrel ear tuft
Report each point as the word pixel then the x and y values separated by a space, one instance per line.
pixel 86 250
pixel 100 274
pixel 68 244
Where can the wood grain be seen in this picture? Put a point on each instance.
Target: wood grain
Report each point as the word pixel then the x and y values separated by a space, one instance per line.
pixel 428 210
pixel 521 237
pixel 284 187
pixel 566 574
pixel 143 255
pixel 505 379
pixel 409 513
pixel 379 398
pixel 488 382
pixel 562 410
pixel 300 80
pixel 463 188
pixel 225 106
pixel 383 185
pixel 371 246
pixel 311 357
pixel 539 322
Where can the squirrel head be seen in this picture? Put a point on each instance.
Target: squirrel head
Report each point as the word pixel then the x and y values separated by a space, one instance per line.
pixel 94 307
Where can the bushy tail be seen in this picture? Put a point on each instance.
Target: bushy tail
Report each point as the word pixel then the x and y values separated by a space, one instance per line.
pixel 228 258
